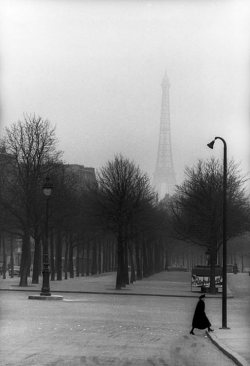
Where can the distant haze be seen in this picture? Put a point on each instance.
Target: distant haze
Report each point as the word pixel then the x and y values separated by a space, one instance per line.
pixel 94 69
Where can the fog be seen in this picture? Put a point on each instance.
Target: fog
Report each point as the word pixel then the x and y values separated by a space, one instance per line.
pixel 94 69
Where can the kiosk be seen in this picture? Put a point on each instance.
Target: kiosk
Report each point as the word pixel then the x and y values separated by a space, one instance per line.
pixel 201 278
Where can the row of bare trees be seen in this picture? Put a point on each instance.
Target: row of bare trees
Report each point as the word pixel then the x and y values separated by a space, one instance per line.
pixel 119 211
pixel 125 205
pixel 116 221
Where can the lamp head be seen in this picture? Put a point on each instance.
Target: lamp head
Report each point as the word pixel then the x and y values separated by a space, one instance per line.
pixel 47 187
pixel 211 144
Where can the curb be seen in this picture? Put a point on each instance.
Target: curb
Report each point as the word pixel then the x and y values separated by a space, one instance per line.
pixel 112 293
pixel 47 298
pixel 239 360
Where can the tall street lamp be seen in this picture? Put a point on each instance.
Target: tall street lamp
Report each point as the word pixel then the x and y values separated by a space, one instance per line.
pixel 224 271
pixel 47 190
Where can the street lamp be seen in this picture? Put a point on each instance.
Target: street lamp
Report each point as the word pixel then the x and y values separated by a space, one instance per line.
pixel 224 270
pixel 47 190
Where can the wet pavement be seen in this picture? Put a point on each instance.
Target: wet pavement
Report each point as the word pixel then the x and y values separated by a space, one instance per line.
pixel 161 308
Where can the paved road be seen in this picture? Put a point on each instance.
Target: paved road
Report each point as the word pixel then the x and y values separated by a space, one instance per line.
pixel 87 329
pixel 239 285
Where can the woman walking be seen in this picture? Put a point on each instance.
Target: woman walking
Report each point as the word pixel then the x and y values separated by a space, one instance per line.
pixel 200 320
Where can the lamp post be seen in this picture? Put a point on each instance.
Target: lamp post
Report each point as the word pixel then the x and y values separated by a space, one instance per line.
pixel 224 270
pixel 47 190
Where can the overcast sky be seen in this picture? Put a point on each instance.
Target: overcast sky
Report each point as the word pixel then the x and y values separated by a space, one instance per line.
pixel 94 69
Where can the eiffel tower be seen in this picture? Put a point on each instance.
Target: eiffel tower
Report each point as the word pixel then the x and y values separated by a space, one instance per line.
pixel 164 176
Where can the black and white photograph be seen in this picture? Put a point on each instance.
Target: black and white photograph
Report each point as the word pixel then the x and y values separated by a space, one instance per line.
pixel 124 182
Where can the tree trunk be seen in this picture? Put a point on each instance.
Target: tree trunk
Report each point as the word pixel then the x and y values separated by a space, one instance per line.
pixel 87 265
pixel 25 258
pixel 78 261
pixel 132 276
pixel 138 263
pixel 66 259
pixel 29 261
pixel 119 279
pixel 11 256
pixel 114 254
pixel 110 256
pixel 94 259
pixel 4 269
pixel 37 259
pixel 104 259
pixel 58 256
pixel 213 262
pixel 145 261
pixel 99 256
pixel 52 256
pixel 71 262
pixel 82 267
pixel 125 267
pixel 166 259
pixel 120 262
pixel 107 255
pixel 150 259
pixel 157 257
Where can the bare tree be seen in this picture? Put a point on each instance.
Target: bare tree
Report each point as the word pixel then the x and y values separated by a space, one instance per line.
pixel 32 145
pixel 120 192
pixel 197 207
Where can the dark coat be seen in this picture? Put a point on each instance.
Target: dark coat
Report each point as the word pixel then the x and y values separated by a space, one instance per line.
pixel 200 320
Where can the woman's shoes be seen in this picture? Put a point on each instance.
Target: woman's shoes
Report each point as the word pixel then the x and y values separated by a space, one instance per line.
pixel 191 332
pixel 210 329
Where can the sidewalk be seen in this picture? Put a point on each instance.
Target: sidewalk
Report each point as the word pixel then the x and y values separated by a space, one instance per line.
pixel 233 342
pixel 162 284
